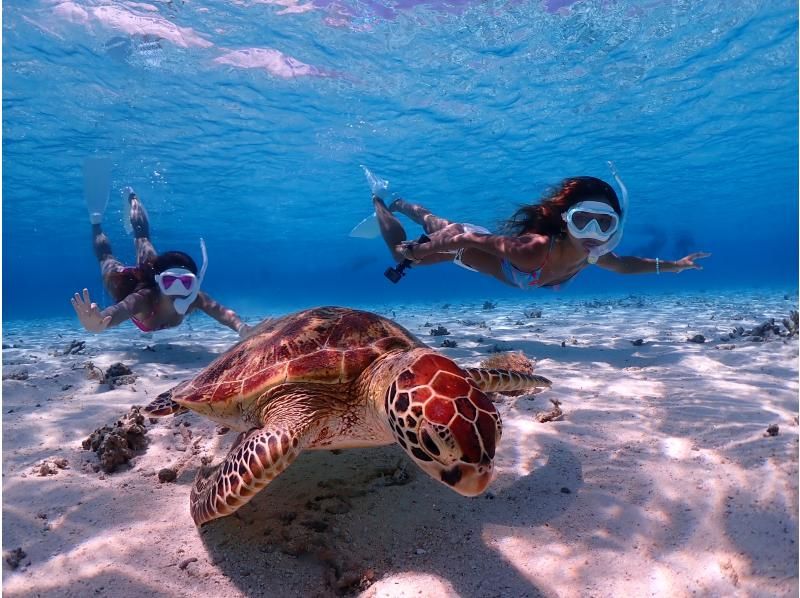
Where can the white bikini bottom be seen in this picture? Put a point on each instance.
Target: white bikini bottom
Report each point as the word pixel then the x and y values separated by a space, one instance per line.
pixel 458 254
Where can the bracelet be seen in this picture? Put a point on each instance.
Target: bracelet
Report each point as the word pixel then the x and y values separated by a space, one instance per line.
pixel 658 269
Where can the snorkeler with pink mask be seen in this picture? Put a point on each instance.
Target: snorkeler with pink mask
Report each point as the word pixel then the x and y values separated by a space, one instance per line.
pixel 157 293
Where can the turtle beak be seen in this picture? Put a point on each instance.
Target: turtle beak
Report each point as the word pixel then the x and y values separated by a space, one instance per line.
pixel 468 480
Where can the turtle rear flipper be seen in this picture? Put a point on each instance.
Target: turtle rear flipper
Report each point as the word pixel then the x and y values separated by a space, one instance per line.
pixel 163 405
pixel 507 381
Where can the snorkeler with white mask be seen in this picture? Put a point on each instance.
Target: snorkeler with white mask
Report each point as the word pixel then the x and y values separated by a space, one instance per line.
pixel 157 293
pixel 546 244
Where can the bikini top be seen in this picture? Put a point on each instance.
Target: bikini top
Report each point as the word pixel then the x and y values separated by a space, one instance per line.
pixel 140 323
pixel 527 280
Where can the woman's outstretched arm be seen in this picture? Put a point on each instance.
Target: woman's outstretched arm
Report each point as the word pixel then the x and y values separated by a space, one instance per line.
pixel 629 264
pixel 96 320
pixel 223 315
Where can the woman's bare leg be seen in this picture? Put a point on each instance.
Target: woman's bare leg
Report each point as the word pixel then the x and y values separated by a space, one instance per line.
pixel 108 263
pixel 429 221
pixel 392 231
pixel 141 231
pixel 393 234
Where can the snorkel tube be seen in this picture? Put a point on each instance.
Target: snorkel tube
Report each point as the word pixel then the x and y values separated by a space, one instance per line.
pixel 608 246
pixel 182 304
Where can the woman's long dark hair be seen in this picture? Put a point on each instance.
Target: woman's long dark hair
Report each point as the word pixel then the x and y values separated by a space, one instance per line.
pixel 135 278
pixel 544 218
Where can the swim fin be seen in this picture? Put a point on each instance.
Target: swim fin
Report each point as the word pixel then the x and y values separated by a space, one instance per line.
pixel 378 186
pixel 96 186
pixel 126 210
pixel 367 228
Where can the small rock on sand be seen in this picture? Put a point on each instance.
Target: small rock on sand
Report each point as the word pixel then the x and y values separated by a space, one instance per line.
pixel 18 375
pixel 15 557
pixel 167 475
pixel 74 347
pixel 51 466
pixel 118 374
pixel 772 430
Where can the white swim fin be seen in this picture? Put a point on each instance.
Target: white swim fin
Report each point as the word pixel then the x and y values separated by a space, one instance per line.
pixel 96 186
pixel 378 186
pixel 367 228
pixel 126 210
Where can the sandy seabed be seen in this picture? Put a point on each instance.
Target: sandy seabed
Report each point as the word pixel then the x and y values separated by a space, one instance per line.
pixel 660 478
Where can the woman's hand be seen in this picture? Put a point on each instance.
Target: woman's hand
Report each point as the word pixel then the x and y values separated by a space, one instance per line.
pixel 443 239
pixel 409 250
pixel 89 313
pixel 687 263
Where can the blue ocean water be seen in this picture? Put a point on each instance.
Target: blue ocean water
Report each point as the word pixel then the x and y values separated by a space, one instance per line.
pixel 246 123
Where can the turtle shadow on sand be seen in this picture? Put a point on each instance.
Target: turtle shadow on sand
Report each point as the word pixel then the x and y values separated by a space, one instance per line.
pixel 342 522
pixel 378 517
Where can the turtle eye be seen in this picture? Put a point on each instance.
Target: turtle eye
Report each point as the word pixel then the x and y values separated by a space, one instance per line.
pixel 438 441
pixel 429 444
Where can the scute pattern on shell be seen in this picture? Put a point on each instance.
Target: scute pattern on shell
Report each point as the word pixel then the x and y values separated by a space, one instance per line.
pixel 321 345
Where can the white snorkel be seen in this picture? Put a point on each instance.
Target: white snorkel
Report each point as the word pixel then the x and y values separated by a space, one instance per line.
pixel 600 250
pixel 182 283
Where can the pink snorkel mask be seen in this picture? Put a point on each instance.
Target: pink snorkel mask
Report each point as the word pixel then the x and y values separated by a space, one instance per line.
pixel 183 284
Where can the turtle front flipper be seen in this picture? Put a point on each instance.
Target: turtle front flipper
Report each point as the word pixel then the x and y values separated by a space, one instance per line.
pixel 256 458
pixel 506 381
pixel 163 405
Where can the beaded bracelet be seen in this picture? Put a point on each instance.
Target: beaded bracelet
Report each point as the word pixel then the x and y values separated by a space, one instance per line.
pixel 658 270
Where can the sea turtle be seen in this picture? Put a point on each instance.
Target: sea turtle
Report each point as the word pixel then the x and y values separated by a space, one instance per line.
pixel 332 378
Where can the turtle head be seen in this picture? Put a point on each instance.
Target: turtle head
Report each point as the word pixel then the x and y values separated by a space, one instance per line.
pixel 446 424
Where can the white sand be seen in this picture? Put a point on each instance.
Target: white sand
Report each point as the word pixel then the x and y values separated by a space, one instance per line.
pixel 658 481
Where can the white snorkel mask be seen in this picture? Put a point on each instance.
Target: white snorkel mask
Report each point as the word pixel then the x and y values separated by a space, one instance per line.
pixel 598 221
pixel 183 284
